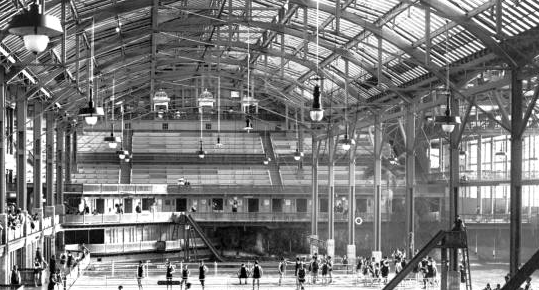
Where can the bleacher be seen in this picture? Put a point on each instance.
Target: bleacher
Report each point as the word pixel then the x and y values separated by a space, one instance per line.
pixel 94 142
pixel 96 173
pixel 189 142
pixel 286 145
pixel 200 175
pixel 291 175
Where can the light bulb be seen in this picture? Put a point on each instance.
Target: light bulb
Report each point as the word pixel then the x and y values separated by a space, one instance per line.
pixel 201 155
pixel 121 156
pixel 36 42
pixel 317 115
pixel 90 120
pixel 127 159
pixel 346 146
pixel 265 162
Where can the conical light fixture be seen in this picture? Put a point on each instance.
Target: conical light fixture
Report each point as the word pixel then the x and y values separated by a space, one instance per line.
pixel 447 121
pixel 219 144
pixel 91 113
pixel 248 125
pixel 316 113
pixel 35 27
pixel 346 143
pixel 297 155
pixel 201 153
pixel 112 140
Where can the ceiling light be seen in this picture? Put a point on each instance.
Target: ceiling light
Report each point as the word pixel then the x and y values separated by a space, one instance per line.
pixel 35 28
pixel 201 153
pixel 112 141
pixel 462 153
pixel 346 143
pixel 447 121
pixel 122 153
pixel 500 153
pixel 316 113
pixel 297 155
pixel 127 158
pixel 218 144
pixel 265 161
pixel 91 113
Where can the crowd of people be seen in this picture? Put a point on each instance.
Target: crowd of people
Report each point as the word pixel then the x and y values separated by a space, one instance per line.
pixel 16 217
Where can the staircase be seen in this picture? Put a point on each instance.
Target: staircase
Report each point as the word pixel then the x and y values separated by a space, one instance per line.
pixel 186 219
pixel 523 273
pixel 272 166
pixel 443 239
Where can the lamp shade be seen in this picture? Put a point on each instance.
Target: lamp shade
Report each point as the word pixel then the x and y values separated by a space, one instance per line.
pixel 316 113
pixel 218 144
pixel 297 155
pixel 91 113
pixel 265 161
pixel 346 143
pixel 112 140
pixel 448 122
pixel 122 154
pixel 35 28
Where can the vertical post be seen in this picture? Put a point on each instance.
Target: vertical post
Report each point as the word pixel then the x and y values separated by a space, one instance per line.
pixel 331 195
pixel 453 281
pixel 2 143
pixel 300 134
pixel 38 197
pixel 377 184
pixel 314 183
pixel 479 172
pixel 286 120
pixel 59 163
pixel 74 150
pixel 49 148
pixel 410 179
pixel 351 247
pixel 516 172
pixel 67 148
pixel 21 107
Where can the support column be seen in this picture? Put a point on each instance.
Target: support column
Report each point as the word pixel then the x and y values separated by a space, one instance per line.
pixel 351 248
pixel 453 274
pixel 74 150
pixel 377 184
pixel 38 196
pixel 67 147
pixel 286 119
pixel 59 199
pixel 49 152
pixel 331 196
pixel 314 184
pixel 479 172
pixel 516 172
pixel 410 179
pixel 300 136
pixel 3 89
pixel 21 107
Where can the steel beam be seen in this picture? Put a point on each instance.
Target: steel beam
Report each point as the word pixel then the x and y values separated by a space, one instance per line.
pixel 3 89
pixel 453 182
pixel 38 111
pixel 515 227
pixel 22 108
pixel 331 193
pixel 49 152
pixel 377 183
pixel 410 179
pixel 314 184
pixel 59 199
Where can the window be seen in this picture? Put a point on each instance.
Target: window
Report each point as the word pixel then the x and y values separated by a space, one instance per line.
pixel 323 205
pixel 276 205
pixel 361 205
pixel 301 205
pixel 217 204
pixel 127 126
pixel 147 203
pixel 181 204
pixel 164 126
pixel 252 205
pixel 208 126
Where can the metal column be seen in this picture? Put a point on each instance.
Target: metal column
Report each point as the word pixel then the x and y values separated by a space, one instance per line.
pixel 452 277
pixel 74 150
pixel 314 183
pixel 3 89
pixel 410 179
pixel 331 196
pixel 377 183
pixel 21 107
pixel 351 247
pixel 516 172
pixel 59 199
pixel 38 110
pixel 67 148
pixel 49 153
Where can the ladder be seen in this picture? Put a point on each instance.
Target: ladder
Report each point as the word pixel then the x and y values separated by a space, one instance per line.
pixel 466 262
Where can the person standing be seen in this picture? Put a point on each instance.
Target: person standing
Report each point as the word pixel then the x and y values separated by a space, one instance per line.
pixel 324 271
pixel 170 269
pixel 257 275
pixel 185 276
pixel 330 269
pixel 37 272
pixel 242 273
pixel 202 269
pixel 282 269
pixel 301 277
pixel 140 274
pixel 15 277
pixel 314 269
pixel 345 263
pixel 70 261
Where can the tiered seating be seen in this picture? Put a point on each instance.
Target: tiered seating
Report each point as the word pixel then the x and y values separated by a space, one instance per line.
pixel 96 173
pixel 291 175
pixel 200 175
pixel 93 142
pixel 188 142
pixel 287 144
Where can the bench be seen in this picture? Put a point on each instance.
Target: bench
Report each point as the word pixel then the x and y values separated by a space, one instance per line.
pixel 165 282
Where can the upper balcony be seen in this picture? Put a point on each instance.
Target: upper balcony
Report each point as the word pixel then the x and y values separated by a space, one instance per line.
pixel 26 226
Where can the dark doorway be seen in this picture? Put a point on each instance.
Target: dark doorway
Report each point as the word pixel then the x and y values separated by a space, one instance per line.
pixel 276 205
pixel 301 205
pixel 252 205
pixel 181 204
pixel 128 205
pixel 100 205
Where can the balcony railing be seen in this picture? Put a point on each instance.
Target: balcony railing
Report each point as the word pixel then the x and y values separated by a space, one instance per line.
pixel 29 226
